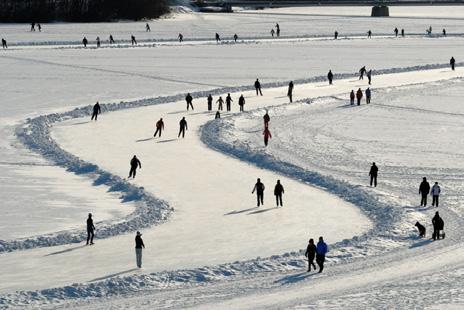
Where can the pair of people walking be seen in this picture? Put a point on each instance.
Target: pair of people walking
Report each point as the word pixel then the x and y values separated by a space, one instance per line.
pixel 317 252
pixel 259 189
pixel 425 190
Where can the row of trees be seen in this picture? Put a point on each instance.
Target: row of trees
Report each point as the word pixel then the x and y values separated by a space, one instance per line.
pixel 80 10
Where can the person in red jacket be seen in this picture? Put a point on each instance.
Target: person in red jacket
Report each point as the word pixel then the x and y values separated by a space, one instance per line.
pixel 159 127
pixel 267 135
pixel 359 95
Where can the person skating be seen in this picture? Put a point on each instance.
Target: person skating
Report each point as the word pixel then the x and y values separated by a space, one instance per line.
pixel 159 127
pixel 180 37
pixel 266 119
pixel 96 111
pixel 435 192
pixel 352 96
pixel 98 42
pixel 85 41
pixel 321 251
pixel 39 27
pixel 277 30
pixel 290 91
pixel 438 224
pixel 272 32
pixel 258 87
pixel 228 102
pixel 134 163
pixel 218 38
pixel 235 38
pixel 369 34
pixel 133 40
pixel 182 127
pixel 90 229
pixel 359 95
pixel 32 26
pixel 373 174
pixel 210 102
pixel 241 103
pixel 429 31
pixel 368 95
pixel 444 32
pixel 147 27
pixel 259 189
pixel 336 35
pixel 220 101
pixel 4 45
pixel 111 39
pixel 188 100
pixel 396 32
pixel 267 135
pixel 139 245
pixel 402 33
pixel 330 77
pixel 361 72
pixel 452 63
pixel 218 115
pixel 424 190
pixel 369 77
pixel 278 191
pixel 311 254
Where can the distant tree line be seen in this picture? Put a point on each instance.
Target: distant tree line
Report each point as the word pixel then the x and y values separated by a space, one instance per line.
pixel 80 10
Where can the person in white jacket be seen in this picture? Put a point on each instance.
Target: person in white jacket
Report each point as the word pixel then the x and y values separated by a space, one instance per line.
pixel 435 192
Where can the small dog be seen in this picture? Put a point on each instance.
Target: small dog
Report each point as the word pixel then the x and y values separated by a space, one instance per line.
pixel 421 229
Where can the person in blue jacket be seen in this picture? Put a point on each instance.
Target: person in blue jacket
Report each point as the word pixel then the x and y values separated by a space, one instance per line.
pixel 321 250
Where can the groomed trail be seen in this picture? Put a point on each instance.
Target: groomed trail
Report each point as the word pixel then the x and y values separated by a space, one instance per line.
pixel 206 228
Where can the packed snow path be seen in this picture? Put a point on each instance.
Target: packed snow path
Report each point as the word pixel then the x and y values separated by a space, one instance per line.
pixel 212 223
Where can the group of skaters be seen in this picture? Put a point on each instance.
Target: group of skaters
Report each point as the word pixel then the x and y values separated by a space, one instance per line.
pixel 111 41
pixel 34 25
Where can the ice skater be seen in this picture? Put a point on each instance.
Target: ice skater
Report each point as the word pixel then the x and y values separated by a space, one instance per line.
pixel 4 44
pixel 180 37
pixel 98 42
pixel 182 127
pixel 90 229
pixel 111 39
pixel 96 111
pixel 210 102
pixel 352 96
pixel 235 38
pixel 159 127
pixel 444 32
pixel 139 245
pixel 277 30
pixel 336 35
pixel 228 102
pixel 259 189
pixel 134 164
pixel 266 119
pixel 435 192
pixel 272 32
pixel 220 101
pixel 359 95
pixel 85 42
pixel 133 40
pixel 424 190
pixel 218 38
pixel 241 103
pixel 278 191
pixel 290 91
pixel 361 72
pixel 402 33
pixel 258 87
pixel 267 135
pixel 368 95
pixel 369 34
pixel 33 26
pixel 452 63
pixel 188 100
pixel 369 77
pixel 147 27
pixel 321 251
pixel 373 174
pixel 310 254
pixel 396 32
pixel 330 77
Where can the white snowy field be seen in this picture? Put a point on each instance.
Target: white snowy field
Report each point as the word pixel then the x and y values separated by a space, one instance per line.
pixel 410 130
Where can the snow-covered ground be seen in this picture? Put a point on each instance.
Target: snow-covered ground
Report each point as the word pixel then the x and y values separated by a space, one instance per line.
pixel 321 152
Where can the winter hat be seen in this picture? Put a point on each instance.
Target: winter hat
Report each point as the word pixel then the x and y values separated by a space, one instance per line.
pixel 138 233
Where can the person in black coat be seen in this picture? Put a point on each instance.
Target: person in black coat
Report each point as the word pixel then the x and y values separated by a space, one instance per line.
pixel 96 111
pixel 373 174
pixel 290 91
pixel 330 77
pixel 452 63
pixel 438 224
pixel 259 189
pixel 85 41
pixel 134 163
pixel 90 229
pixel 182 127
pixel 424 190
pixel 311 254
pixel 278 191
pixel 228 102
pixel 189 99
pixel 4 44
pixel 210 102
pixel 241 103
pixel 138 249
pixel 258 88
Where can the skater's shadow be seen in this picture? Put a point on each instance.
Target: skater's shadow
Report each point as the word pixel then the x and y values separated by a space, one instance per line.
pixel 80 123
pixel 165 141
pixel 293 278
pixel 262 211
pixel 143 140
pixel 67 250
pixel 421 243
pixel 239 211
pixel 114 275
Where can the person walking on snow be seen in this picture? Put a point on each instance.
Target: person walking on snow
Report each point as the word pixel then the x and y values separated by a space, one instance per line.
pixel 278 30
pixel 147 27
pixel 435 192
pixel 321 251
pixel 220 101
pixel 133 40
pixel 4 45
pixel 424 190
pixel 180 37
pixel 85 42
pixel 159 127
pixel 111 39
pixel 359 95
pixel 368 95
pixel 311 254
pixel 134 163
pixel 90 229
pixel 369 34
pixel 138 249
pixel 32 26
pixel 330 77
pixel 336 35
pixel 278 191
pixel 444 32
pixel 258 87
pixel 438 224
pixel 39 27
pixel 369 76
pixel 96 111
pixel 98 42
pixel 272 32
pixel 452 63
pixel 189 99
pixel 259 189
pixel 218 38
pixel 290 91
pixel 235 38
pixel 352 96
pixel 266 119
pixel 182 127
pixel 241 103
pixel 402 33
pixel 210 102
pixel 396 32
pixel 361 72
pixel 228 102
pixel 267 135
pixel 373 174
